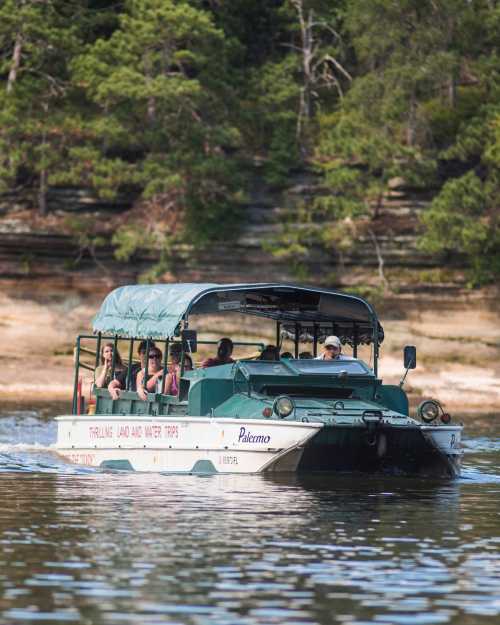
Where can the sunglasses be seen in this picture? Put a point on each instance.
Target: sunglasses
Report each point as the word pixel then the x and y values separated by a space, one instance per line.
pixel 154 356
pixel 331 347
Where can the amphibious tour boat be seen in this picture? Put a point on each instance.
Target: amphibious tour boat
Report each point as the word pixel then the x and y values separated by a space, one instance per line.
pixel 254 414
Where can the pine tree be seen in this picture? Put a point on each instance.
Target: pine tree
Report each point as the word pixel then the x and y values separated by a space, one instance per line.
pixel 159 115
pixel 39 114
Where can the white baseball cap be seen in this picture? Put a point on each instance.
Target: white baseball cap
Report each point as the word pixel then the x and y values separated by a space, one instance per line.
pixel 333 340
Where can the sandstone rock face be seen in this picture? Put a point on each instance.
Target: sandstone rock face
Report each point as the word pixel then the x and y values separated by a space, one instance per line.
pixel 35 248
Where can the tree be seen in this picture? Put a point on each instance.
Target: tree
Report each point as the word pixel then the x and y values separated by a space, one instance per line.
pixel 464 219
pixel 159 110
pixel 38 117
pixel 320 67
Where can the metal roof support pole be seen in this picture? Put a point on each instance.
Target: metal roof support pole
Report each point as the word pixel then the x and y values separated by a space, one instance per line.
pixel 165 367
pixel 296 340
pixel 77 367
pixel 113 364
pixel 375 348
pixel 355 343
pixel 278 335
pixel 183 353
pixel 98 350
pixel 315 340
pixel 185 326
pixel 129 370
pixel 145 378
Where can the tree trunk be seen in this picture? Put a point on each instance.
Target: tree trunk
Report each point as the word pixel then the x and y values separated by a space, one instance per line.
pixel 42 192
pixel 151 106
pixel 42 186
pixel 377 206
pixel 307 42
pixel 452 90
pixel 15 62
pixel 412 119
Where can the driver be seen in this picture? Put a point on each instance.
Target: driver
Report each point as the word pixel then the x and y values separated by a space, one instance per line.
pixel 332 350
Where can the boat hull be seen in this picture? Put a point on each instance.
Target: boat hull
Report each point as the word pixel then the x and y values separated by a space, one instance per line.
pixel 204 445
pixel 416 450
pixel 183 445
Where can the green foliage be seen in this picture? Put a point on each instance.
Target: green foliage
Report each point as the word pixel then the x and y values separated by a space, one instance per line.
pixel 156 81
pixel 84 231
pixel 168 100
pixel 36 38
pixel 128 240
pixel 464 218
pixel 445 121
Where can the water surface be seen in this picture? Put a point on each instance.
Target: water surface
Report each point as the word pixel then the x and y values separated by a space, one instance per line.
pixel 79 545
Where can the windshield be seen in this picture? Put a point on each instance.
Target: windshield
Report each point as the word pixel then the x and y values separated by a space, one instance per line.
pixel 315 367
pixel 352 367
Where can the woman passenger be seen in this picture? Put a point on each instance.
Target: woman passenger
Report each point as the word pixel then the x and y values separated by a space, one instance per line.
pixel 103 372
pixel 174 371
pixel 155 373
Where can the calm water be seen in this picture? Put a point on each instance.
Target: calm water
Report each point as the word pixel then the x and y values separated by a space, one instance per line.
pixel 86 546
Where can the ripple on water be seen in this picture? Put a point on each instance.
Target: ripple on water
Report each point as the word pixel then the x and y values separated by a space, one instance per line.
pixel 87 546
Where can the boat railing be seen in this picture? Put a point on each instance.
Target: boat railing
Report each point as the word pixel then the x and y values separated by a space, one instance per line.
pixel 82 350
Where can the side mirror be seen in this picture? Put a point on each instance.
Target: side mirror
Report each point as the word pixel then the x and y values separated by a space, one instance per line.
pixel 410 357
pixel 189 341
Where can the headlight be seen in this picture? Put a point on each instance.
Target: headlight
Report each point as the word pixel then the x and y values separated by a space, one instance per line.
pixel 428 410
pixel 283 406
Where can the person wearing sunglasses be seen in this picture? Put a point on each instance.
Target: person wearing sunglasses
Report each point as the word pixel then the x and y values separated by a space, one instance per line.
pixel 155 373
pixel 332 349
pixel 119 382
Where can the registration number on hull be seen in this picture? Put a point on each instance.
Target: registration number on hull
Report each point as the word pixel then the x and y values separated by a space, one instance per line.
pixel 225 460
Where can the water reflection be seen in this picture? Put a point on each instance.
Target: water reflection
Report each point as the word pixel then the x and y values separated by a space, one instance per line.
pixel 87 546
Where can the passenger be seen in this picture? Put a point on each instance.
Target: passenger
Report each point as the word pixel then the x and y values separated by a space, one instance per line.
pixel 116 385
pixel 174 373
pixel 270 352
pixel 287 355
pixel 224 352
pixel 103 372
pixel 305 355
pixel 332 349
pixel 188 363
pixel 155 373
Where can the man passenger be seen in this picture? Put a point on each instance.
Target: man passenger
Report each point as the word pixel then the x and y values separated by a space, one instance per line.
pixel 224 353
pixel 270 352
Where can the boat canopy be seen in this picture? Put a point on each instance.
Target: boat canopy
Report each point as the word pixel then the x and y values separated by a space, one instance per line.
pixel 157 310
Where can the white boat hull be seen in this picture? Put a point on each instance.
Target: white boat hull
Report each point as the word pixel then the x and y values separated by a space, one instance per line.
pixel 183 444
pixel 446 438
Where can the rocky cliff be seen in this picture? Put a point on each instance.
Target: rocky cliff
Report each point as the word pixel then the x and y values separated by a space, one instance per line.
pixel 35 249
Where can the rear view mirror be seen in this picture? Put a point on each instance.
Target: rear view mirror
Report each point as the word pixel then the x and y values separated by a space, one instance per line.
pixel 189 341
pixel 410 357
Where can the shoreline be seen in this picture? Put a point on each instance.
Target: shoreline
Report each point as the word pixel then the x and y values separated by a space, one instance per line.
pixel 458 349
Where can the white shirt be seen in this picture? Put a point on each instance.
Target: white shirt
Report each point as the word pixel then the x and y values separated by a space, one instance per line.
pixel 339 357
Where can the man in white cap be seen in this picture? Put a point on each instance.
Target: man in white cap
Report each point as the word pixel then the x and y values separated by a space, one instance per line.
pixel 332 349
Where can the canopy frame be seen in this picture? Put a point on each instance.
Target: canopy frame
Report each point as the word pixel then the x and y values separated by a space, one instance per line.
pixel 162 311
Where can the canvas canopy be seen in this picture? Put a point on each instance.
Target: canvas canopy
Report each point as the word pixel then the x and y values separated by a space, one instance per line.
pixel 157 311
